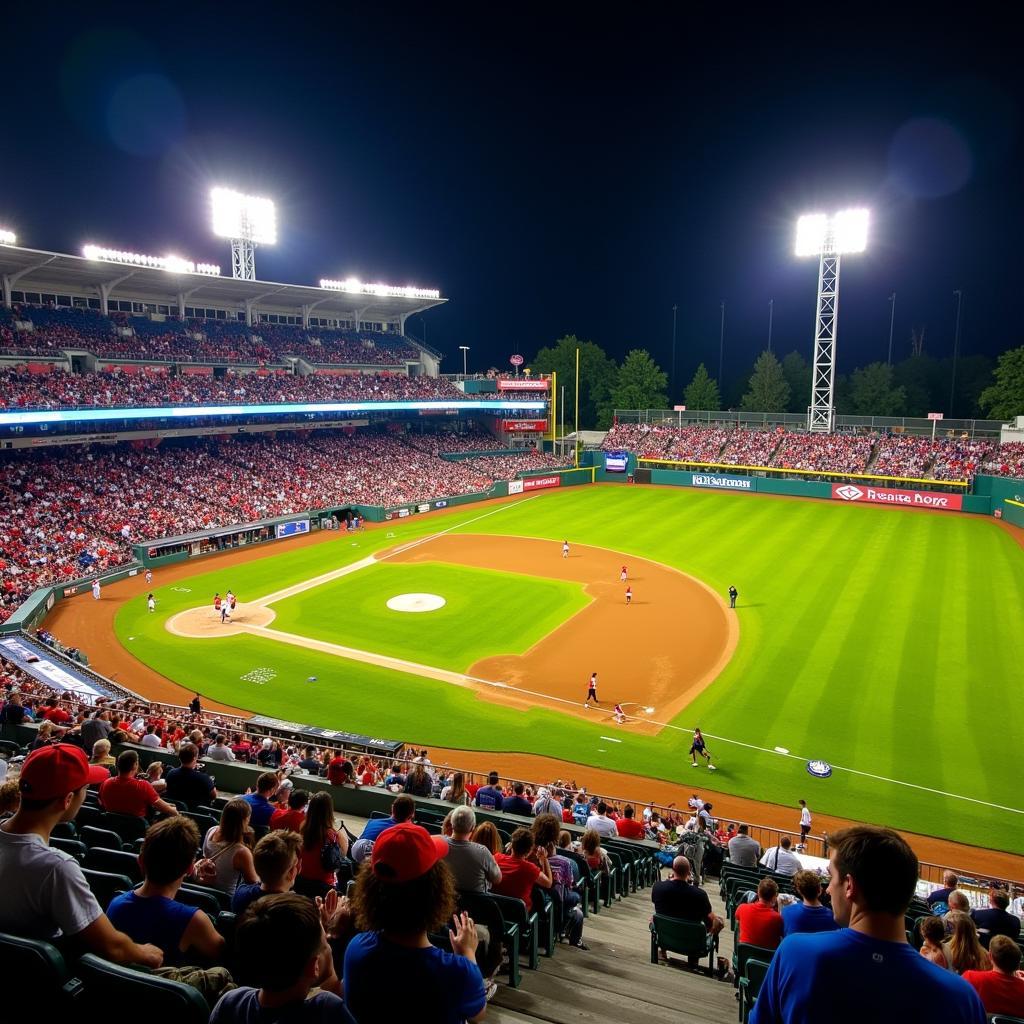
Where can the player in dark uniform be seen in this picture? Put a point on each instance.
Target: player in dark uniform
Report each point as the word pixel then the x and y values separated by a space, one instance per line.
pixel 698 747
pixel 592 690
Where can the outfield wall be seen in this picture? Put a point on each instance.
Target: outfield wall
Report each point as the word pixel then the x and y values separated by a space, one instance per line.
pixel 1013 512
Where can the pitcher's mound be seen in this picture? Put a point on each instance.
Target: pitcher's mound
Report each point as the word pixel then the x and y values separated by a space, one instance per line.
pixel 416 602
pixel 205 622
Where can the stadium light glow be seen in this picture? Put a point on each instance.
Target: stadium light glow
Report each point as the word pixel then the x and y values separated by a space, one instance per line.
pixel 357 287
pixel 7 237
pixel 250 218
pixel 843 232
pixel 172 264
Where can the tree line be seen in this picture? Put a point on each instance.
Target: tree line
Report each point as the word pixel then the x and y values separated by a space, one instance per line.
pixel 915 386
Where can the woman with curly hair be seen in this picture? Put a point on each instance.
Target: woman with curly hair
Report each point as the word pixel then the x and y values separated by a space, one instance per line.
pixel 402 894
pixel 487 835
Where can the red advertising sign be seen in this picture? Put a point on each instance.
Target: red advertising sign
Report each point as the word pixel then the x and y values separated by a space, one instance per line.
pixel 525 426
pixel 537 483
pixel 898 496
pixel 519 384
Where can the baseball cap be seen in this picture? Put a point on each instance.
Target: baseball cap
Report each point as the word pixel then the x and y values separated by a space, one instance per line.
pixel 405 852
pixel 54 771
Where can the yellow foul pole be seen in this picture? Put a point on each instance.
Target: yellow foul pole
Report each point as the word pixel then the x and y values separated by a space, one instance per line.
pixel 576 438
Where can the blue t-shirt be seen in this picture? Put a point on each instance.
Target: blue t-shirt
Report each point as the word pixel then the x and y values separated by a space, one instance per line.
pixel 262 809
pixel 799 918
pixel 242 1006
pixel 154 919
pixel 844 977
pixel 489 797
pixel 449 985
pixel 244 895
pixel 375 826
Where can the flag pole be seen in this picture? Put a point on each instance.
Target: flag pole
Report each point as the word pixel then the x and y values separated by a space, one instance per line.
pixel 576 439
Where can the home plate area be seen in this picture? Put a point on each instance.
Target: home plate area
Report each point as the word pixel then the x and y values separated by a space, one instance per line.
pixel 416 602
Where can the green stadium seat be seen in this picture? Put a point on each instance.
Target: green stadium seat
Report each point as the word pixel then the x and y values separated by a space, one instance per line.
pixel 485 910
pixel 72 846
pixel 161 1001
pixel 747 951
pixel 688 938
pixel 754 974
pixel 33 966
pixel 105 886
pixel 202 900
pixel 127 826
pixel 222 898
pixel 94 836
pixel 117 862
pixel 514 911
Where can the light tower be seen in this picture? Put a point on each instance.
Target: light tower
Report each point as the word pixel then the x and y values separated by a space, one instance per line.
pixel 828 238
pixel 247 221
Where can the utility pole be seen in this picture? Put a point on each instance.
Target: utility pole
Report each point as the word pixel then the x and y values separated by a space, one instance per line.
pixel 956 348
pixel 771 313
pixel 672 380
pixel 892 320
pixel 721 347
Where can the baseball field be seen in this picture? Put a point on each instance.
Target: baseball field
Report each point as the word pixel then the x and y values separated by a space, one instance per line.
pixel 886 642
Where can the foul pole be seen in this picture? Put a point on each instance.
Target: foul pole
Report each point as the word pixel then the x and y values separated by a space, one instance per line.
pixel 576 429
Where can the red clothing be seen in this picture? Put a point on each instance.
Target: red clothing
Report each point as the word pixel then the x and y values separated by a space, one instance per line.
pixel 367 779
pixel 629 828
pixel 285 817
pixel 759 925
pixel 999 994
pixel 311 866
pixel 123 795
pixel 56 715
pixel 517 877
pixel 335 771
pixel 567 817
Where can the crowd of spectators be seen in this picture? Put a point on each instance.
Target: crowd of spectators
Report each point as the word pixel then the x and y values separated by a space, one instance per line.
pixel 832 453
pixel 750 447
pixel 120 336
pixel 1006 460
pixel 21 388
pixel 695 444
pixel 508 467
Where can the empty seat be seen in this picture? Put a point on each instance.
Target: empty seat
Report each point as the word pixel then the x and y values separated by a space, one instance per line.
pixel 117 862
pixel 158 1000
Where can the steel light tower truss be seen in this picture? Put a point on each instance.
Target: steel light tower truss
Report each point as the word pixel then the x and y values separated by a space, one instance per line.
pixel 243 259
pixel 246 221
pixel 828 238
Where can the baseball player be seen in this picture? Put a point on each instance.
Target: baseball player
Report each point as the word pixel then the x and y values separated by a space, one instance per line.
pixel 622 575
pixel 733 594
pixel 805 825
pixel 592 690
pixel 149 577
pixel 698 747
pixel 629 596
pixel 565 549
pixel 620 715
pixel 151 603
pixel 232 602
pixel 224 615
pixel 95 590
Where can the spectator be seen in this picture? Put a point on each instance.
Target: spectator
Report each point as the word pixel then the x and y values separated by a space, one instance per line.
pixel 487 835
pixel 522 868
pixel 10 798
pixel 965 950
pixel 95 728
pixel 339 769
pixel 547 831
pixel 309 764
pixel 1001 989
pixel 471 864
pixel 760 923
pixel 276 858
pixel 865 970
pixel 402 810
pixel 219 750
pixel 455 792
pixel 154 775
pixel 595 854
pixel 418 782
pixel 808 915
pixel 186 783
pixel 743 850
pixel 323 847
pixel 126 794
pixel 262 809
pixel 282 945
pixel 995 920
pixel 601 823
pixel 229 846
pixel 939 896
pixel 958 904
pixel 45 893
pixel 490 796
pixel 294 815
pixel 150 913
pixel 781 859
pixel 150 738
pixel 628 827
pixel 101 754
pixel 933 942
pixel 517 803
pixel 406 894
pixel 678 897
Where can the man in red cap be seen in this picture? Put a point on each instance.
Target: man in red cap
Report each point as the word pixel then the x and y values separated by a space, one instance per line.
pixel 44 891
pixel 392 972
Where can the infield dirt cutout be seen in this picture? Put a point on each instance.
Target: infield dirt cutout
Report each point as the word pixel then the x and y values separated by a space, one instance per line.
pixel 659 651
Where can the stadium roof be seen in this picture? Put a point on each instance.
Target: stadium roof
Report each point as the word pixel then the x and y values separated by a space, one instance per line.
pixel 37 270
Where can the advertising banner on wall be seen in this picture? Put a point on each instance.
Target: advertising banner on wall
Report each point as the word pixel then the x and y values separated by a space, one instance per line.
pixel 515 487
pixel 521 384
pixel 537 483
pixel 616 462
pixel 292 529
pixel 525 426
pixel 723 482
pixel 897 496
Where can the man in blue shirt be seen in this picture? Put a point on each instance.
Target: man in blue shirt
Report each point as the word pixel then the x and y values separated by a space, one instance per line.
pixel 266 786
pixel 490 796
pixel 401 810
pixel 866 970
pixel 808 915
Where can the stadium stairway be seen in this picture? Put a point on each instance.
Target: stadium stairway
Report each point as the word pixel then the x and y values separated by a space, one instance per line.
pixel 615 982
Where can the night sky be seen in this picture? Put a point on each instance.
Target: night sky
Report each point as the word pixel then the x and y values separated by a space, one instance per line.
pixel 550 172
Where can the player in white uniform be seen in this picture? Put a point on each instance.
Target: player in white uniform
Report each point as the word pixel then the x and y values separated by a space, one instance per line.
pixel 95 590
pixel 565 549
pixel 151 603
pixel 805 825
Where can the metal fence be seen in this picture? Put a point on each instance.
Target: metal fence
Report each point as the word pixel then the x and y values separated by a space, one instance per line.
pixel 797 421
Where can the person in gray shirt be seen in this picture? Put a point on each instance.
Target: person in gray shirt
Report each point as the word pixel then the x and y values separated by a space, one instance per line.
pixel 473 866
pixel 744 851
pixel 96 728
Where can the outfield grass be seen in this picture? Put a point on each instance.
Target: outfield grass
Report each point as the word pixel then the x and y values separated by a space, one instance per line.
pixel 885 641
pixel 486 613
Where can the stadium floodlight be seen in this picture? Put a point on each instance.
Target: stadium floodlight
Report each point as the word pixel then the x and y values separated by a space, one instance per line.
pixel 247 221
pixel 170 263
pixel 7 237
pixel 357 287
pixel 828 238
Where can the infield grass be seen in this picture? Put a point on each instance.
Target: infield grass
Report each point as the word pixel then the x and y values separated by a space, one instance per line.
pixel 885 641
